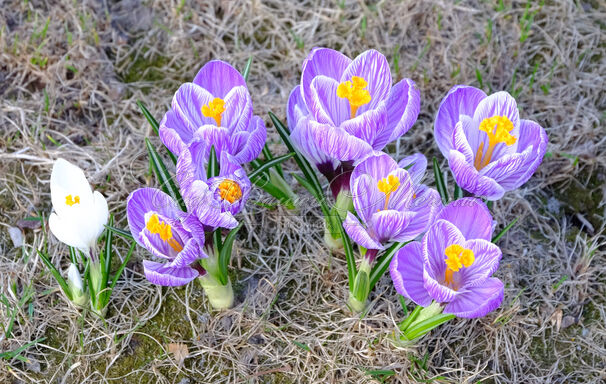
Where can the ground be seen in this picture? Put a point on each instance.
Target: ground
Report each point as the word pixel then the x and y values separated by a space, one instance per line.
pixel 70 75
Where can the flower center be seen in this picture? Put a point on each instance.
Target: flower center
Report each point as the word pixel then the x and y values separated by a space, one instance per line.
pixel 497 128
pixel 71 201
pixel 214 109
pixel 230 191
pixel 157 227
pixel 456 258
pixel 354 92
pixel 388 185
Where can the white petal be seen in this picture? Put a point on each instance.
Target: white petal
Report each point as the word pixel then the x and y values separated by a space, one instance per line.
pixel 66 232
pixel 73 276
pixel 68 179
pixel 100 213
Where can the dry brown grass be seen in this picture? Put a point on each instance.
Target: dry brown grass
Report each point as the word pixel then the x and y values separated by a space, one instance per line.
pixel 70 92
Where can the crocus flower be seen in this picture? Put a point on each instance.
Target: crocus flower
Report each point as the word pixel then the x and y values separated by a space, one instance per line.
pixel 80 214
pixel 391 204
pixel 344 109
pixel 215 108
pixel 155 222
pixel 453 264
pixel 214 201
pixel 490 150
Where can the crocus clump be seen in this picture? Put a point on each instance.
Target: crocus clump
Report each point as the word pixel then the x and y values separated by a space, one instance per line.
pixel 345 109
pixel 215 108
pixel 490 150
pixel 391 204
pixel 453 264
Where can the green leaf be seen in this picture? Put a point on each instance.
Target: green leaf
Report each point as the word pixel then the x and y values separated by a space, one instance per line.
pixel 274 191
pixel 56 274
pixel 440 185
pixel 108 252
pixel 121 269
pixel 246 71
pixel 426 326
pixel 213 164
pixel 301 345
pixel 303 181
pixel 306 168
pixel 504 230
pixel 166 182
pixel 458 192
pixel 15 354
pixel 156 127
pixel 403 304
pixel 410 318
pixel 348 248
pixel 361 286
pixel 72 255
pixel 225 253
pixel 268 156
pixel 120 232
pixel 382 263
pixel 269 164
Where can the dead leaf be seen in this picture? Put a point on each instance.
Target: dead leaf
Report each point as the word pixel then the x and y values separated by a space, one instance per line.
pixel 179 351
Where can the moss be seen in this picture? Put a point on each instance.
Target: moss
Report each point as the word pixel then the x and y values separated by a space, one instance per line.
pixel 144 349
pixel 583 198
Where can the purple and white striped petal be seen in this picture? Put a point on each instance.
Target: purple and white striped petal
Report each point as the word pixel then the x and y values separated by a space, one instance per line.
pixel 373 67
pixel 461 100
pixel 471 216
pixel 218 78
pixel 416 165
pixel 165 275
pixel 468 178
pixel 321 62
pixel 477 301
pixel 358 233
pixel 406 270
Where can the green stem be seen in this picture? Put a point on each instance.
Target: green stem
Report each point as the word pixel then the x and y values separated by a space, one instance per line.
pixel 219 295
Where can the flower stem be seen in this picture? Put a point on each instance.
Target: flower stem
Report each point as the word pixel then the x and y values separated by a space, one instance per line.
pixel 220 296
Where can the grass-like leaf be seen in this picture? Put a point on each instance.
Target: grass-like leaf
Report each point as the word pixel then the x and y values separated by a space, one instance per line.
pixel 166 182
pixel 156 127
pixel 56 274
pixel 8 355
pixel 306 168
pixel 226 249
pixel 458 192
pixel 246 71
pixel 120 232
pixel 268 156
pixel 440 185
pixel 213 164
pixel 504 230
pixel 122 266
pixel 264 168
pixel 427 325
pixel 382 263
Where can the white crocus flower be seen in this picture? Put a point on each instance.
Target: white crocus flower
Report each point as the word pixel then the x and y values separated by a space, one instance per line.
pixel 79 214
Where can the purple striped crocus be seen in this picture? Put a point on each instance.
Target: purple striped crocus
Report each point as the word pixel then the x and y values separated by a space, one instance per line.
pixel 391 204
pixel 156 224
pixel 212 202
pixel 490 150
pixel 344 109
pixel 216 108
pixel 453 264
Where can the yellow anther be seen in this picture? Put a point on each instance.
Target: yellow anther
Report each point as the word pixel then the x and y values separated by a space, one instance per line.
pixel 214 109
pixel 388 185
pixel 354 92
pixel 230 190
pixel 456 258
pixel 497 128
pixel 71 201
pixel 164 230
